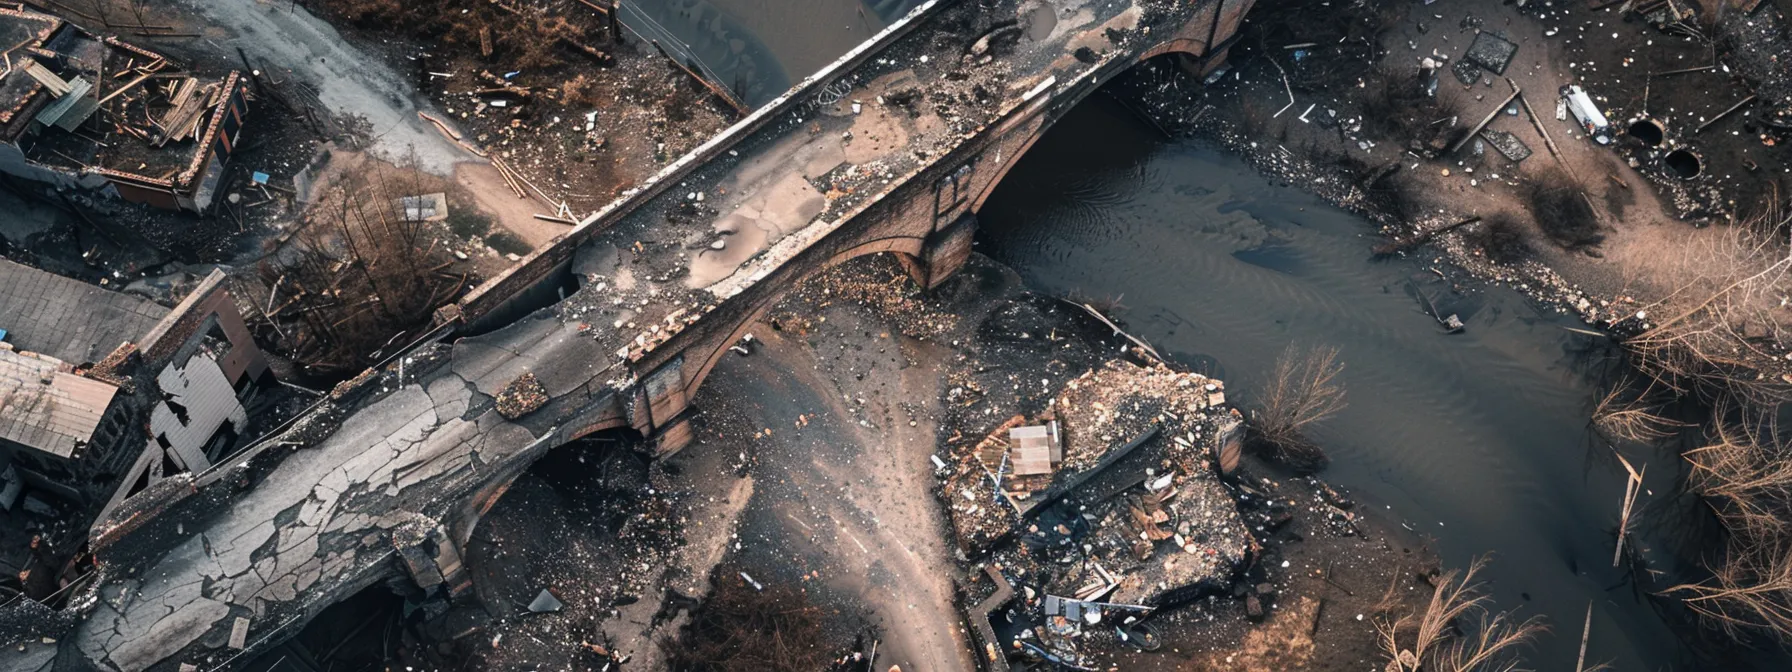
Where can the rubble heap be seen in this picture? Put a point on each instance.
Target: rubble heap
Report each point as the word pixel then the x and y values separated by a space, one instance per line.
pixel 1133 517
pixel 521 397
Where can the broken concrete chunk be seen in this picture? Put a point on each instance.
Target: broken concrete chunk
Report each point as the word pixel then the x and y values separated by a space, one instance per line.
pixel 239 633
pixel 1490 51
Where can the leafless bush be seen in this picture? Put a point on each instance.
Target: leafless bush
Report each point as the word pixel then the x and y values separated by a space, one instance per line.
pixel 1620 415
pixel 1745 471
pixel 1561 210
pixel 743 629
pixel 1709 334
pixel 1401 108
pixel 1303 390
pixel 1436 640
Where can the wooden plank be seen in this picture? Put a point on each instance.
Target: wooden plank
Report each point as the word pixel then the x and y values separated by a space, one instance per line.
pixel 133 84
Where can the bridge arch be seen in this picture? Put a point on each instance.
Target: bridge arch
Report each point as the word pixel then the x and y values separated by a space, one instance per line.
pixel 909 251
pixel 465 521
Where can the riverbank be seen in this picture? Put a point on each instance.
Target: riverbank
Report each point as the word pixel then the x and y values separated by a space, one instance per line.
pixel 1353 123
pixel 1678 268
pixel 814 481
pixel 857 380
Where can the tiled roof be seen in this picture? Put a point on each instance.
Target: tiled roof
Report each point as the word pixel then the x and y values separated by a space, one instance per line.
pixel 68 319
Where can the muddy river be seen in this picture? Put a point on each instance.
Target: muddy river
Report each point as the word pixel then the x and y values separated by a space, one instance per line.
pixel 1478 440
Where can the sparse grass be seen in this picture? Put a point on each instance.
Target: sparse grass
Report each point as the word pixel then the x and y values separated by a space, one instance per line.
pixel 1304 389
pixel 1443 638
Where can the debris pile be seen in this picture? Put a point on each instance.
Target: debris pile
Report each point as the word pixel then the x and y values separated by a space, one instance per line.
pixel 521 397
pixel 1127 515
pixel 895 296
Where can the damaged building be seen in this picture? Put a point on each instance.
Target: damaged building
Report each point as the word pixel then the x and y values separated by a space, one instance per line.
pixel 207 371
pixel 59 428
pixel 88 116
pixel 1108 505
pixel 84 372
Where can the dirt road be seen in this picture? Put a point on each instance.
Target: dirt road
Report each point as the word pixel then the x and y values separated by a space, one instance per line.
pixel 288 42
pixel 843 499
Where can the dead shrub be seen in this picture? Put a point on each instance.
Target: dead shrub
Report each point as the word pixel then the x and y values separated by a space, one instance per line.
pixel 579 90
pixel 1304 389
pixel 1714 336
pixel 1499 238
pixel 1442 639
pixel 1620 415
pixel 1745 471
pixel 1709 335
pixel 1398 108
pixel 744 629
pixel 1561 210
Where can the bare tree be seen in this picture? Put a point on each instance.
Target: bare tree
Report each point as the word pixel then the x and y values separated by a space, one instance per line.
pixel 363 272
pixel 1304 389
pixel 1435 641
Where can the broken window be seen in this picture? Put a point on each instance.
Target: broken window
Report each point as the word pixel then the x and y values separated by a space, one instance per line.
pixel 952 191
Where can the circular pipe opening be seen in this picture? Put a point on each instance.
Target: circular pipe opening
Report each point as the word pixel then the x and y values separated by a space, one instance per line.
pixel 1683 163
pixel 1649 131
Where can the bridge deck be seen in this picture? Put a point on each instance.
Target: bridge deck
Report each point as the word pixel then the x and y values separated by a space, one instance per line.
pixel 290 530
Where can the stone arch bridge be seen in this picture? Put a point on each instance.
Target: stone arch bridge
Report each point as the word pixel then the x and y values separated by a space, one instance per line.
pixel 893 148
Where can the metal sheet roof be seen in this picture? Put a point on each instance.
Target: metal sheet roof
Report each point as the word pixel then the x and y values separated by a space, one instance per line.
pixel 46 408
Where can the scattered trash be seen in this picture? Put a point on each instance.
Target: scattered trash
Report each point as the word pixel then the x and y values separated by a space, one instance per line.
pixel 1591 119
pixel 1491 52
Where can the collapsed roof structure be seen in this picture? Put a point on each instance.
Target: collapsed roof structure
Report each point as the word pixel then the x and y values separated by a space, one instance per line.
pixel 96 114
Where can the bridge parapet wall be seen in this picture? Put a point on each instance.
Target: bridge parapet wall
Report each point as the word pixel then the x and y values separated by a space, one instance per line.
pixel 539 264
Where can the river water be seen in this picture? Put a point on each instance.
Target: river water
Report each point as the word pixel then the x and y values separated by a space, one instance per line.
pixel 760 48
pixel 1478 440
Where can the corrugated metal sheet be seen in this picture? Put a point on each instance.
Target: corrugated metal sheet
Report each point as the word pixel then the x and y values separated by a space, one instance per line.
pixel 69 110
pixel 48 409
pixel 205 398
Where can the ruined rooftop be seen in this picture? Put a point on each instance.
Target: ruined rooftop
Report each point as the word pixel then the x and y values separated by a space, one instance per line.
pixel 45 406
pixel 68 319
